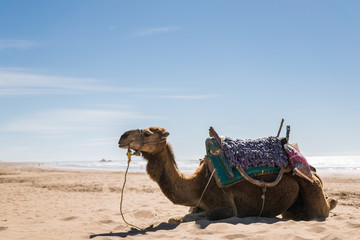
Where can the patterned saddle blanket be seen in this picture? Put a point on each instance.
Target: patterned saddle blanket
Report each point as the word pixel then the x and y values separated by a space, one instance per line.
pixel 256 157
pixel 252 153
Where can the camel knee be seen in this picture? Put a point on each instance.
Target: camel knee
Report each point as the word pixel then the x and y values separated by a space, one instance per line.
pixel 212 215
pixel 176 220
pixel 188 218
pixel 219 213
pixel 326 208
pixel 332 202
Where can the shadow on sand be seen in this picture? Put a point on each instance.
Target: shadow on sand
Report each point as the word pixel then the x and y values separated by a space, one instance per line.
pixel 134 231
pixel 202 224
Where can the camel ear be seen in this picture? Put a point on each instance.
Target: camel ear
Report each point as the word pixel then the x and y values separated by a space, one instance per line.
pixel 147 133
pixel 165 133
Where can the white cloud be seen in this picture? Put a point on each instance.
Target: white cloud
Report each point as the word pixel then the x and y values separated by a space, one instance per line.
pixel 156 30
pixel 23 83
pixel 17 81
pixel 17 44
pixel 11 80
pixel 189 97
pixel 67 121
pixel 29 91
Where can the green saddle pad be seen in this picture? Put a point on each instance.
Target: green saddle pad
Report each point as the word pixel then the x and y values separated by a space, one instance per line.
pixel 224 174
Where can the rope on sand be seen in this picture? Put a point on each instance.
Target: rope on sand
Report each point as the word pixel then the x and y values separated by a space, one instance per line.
pixel 122 196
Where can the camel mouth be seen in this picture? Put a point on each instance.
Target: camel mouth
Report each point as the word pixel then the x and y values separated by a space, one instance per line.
pixel 124 146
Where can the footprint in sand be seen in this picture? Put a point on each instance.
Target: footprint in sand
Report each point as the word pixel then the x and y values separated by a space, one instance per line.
pixel 317 229
pixel 69 218
pixel 144 214
pixel 101 210
pixel 353 225
pixel 235 236
pixel 338 218
pixel 107 221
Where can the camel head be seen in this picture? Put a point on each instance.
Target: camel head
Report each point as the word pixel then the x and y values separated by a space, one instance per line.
pixel 144 140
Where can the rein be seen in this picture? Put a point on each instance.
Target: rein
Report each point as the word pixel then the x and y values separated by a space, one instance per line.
pixel 129 154
pixel 202 195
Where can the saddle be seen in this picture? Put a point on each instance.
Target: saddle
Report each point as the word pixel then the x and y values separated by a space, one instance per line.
pixel 253 158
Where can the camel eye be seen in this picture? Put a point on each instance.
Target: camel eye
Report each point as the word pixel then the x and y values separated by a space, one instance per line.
pixel 125 135
pixel 147 134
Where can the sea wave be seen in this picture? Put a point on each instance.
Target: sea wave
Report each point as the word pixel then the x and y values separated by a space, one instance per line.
pixel 321 163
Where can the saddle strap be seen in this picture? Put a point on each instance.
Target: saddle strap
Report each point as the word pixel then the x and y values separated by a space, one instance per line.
pixel 258 182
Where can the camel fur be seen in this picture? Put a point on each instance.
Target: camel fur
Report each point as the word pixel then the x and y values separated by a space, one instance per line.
pixel 294 197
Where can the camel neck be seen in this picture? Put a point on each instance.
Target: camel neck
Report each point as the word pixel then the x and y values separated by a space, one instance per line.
pixel 177 187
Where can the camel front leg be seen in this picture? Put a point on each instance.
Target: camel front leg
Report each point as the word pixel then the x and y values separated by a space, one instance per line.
pixel 212 215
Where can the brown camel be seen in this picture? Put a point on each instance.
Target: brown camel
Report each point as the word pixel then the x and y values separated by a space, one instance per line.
pixel 293 197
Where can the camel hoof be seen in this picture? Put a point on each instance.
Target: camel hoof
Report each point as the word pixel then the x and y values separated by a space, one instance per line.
pixel 175 220
pixel 332 202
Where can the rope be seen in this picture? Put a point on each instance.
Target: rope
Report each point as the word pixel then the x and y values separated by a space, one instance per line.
pixel 261 183
pixel 263 199
pixel 122 195
pixel 212 174
pixel 129 154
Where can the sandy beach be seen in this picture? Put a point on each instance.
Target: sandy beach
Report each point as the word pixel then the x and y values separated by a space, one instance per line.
pixel 43 203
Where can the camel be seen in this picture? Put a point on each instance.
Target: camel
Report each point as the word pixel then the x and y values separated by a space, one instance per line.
pixel 293 197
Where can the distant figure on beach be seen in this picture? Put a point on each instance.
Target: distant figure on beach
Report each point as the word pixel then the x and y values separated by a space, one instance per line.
pixel 104 160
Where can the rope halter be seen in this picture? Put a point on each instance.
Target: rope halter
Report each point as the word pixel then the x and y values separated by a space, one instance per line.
pixel 142 143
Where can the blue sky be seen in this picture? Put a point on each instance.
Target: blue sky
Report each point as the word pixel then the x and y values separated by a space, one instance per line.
pixel 74 75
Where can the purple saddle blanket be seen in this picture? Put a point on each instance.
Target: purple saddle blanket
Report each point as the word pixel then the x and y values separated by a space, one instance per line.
pixel 252 153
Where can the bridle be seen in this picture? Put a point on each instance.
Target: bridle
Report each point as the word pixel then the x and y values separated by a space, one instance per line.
pixel 142 142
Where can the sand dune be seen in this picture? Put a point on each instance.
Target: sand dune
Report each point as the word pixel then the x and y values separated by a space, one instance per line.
pixel 38 203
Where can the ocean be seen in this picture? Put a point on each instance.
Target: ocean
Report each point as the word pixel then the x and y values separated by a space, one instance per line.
pixel 322 164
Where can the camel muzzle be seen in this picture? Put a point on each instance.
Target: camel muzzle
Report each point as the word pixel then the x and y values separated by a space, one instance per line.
pixel 123 146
